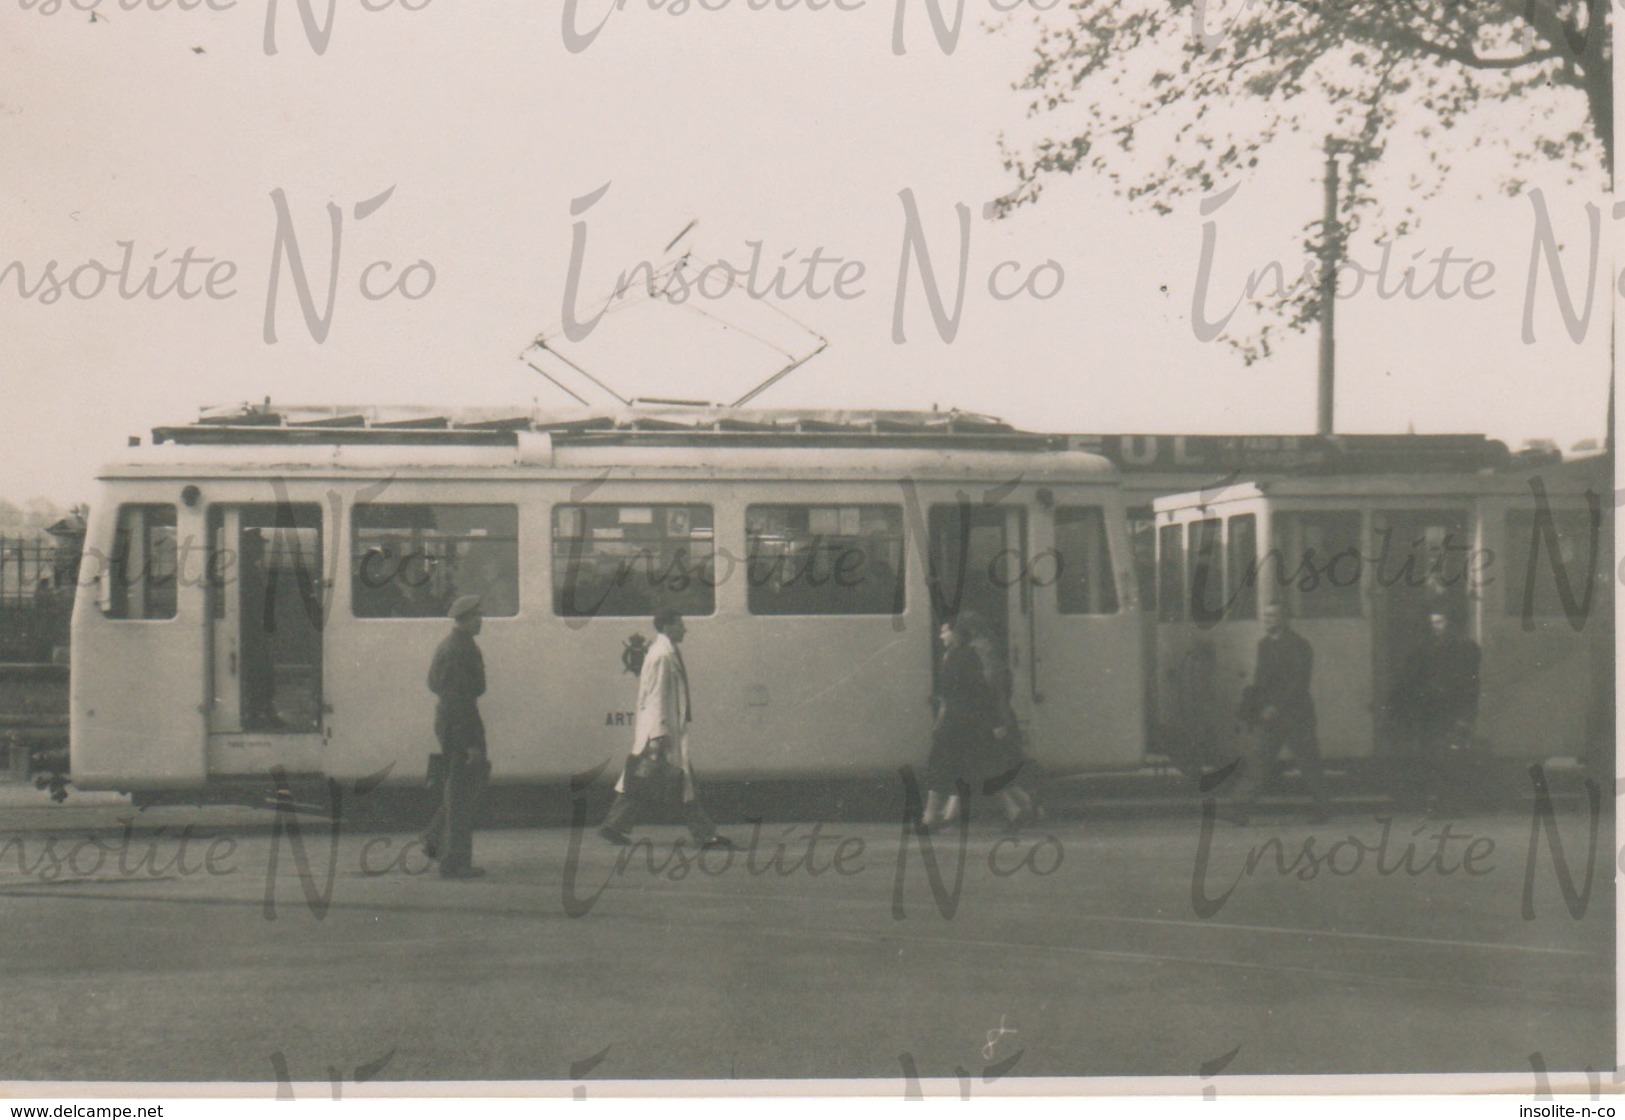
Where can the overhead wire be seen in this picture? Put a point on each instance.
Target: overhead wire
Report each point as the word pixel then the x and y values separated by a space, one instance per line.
pixel 657 285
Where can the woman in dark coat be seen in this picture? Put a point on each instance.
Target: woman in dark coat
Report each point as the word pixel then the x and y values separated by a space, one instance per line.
pixel 1000 764
pixel 964 723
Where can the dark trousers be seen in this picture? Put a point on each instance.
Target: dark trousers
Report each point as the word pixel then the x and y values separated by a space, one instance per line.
pixel 623 815
pixel 450 834
pixel 1259 752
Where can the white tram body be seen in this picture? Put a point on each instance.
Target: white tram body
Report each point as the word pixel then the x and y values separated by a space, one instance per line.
pixel 262 591
pixel 1520 559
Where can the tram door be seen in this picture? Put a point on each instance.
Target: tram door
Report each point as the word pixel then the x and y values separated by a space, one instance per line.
pixel 977 559
pixel 1420 562
pixel 265 638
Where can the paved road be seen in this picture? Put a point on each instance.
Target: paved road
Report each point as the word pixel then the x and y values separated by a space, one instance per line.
pixel 202 951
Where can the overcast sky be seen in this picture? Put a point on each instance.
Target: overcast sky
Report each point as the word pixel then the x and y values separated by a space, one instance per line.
pixel 796 129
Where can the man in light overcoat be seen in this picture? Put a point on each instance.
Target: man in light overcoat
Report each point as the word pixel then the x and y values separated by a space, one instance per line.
pixel 660 743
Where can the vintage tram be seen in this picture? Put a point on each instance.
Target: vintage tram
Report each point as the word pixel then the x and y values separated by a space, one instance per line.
pixel 1518 558
pixel 262 590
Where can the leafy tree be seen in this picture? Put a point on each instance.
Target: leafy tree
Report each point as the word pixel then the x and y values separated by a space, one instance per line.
pixel 1144 93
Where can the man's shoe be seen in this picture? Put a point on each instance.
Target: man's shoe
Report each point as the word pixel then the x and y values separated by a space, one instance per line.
pixel 615 837
pixel 715 842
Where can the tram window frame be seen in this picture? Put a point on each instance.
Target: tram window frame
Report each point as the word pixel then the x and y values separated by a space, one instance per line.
pixel 130 598
pixel 1095 591
pixel 1241 571
pixel 1314 592
pixel 852 532
pixel 1525 537
pixel 377 526
pixel 1171 573
pixel 1205 565
pixel 693 593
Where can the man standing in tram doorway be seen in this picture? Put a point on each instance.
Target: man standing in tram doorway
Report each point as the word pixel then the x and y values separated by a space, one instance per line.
pixel 457 678
pixel 659 761
pixel 1437 704
pixel 1282 713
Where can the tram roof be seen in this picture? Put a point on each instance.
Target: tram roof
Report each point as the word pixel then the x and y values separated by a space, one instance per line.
pixel 646 422
pixel 677 441
pixel 1569 477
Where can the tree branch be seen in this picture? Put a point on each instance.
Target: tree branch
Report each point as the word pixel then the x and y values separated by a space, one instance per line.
pixel 1466 56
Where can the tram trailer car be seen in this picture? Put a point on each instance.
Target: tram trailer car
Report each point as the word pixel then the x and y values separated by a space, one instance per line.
pixel 263 592
pixel 1521 560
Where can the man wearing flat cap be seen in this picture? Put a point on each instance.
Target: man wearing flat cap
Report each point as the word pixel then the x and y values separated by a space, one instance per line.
pixel 457 678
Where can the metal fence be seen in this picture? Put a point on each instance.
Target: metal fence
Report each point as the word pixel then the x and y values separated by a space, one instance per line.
pixel 27 567
pixel 37 578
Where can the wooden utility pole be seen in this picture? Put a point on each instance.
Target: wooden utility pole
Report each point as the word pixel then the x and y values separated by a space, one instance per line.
pixel 1331 253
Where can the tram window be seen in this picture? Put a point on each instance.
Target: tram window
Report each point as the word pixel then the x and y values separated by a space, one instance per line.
pixel 142 572
pixel 1084 582
pixel 412 561
pixel 1170 573
pixel 1555 570
pixel 1242 567
pixel 1320 563
pixel 1143 540
pixel 823 560
pixel 1207 578
pixel 622 561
